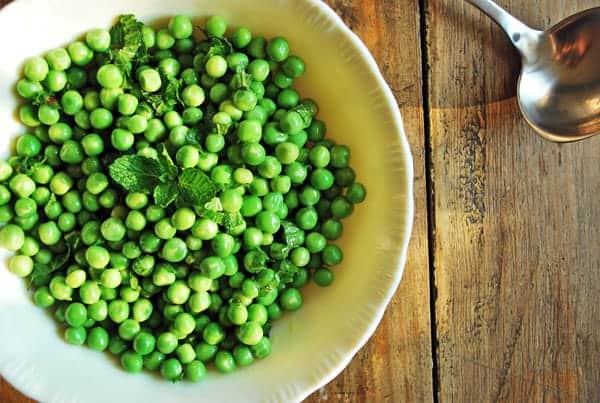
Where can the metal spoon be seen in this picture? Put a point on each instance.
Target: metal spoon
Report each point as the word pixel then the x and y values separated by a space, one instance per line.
pixel 559 85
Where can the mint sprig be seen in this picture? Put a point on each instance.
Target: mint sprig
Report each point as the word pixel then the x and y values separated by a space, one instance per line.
pixel 127 44
pixel 136 173
pixel 161 178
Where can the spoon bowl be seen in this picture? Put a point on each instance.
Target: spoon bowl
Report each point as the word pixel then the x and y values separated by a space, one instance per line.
pixel 559 85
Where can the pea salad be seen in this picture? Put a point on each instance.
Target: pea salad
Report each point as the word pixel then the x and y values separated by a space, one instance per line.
pixel 172 193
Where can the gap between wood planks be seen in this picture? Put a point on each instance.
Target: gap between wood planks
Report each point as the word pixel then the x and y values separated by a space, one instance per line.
pixel 427 147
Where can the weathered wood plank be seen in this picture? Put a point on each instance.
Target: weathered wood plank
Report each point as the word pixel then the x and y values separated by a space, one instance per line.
pixel 517 223
pixel 395 365
pixel 8 394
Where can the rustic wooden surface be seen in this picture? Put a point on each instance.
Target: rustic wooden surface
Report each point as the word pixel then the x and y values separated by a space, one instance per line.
pixel 513 228
pixel 396 364
pixel 517 231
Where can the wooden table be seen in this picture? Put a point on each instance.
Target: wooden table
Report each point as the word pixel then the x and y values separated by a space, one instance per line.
pixel 500 300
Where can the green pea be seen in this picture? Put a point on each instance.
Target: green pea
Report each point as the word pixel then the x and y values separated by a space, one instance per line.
pixel 171 369
pixel 43 298
pixel 356 193
pixel 118 310
pixel 98 311
pixel 262 349
pixel 75 335
pixel 174 250
pixel 98 339
pixel 12 237
pixel 332 255
pixel 178 292
pixel 250 333
pixel 195 371
pixel 20 265
pixel 278 49
pixel 132 362
pixel 90 292
pixel 144 343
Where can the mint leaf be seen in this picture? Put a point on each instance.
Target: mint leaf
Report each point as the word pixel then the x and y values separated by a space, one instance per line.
pixel 240 79
pixel 293 235
pixel 196 187
pixel 166 162
pixel 232 221
pixel 206 126
pixel 42 273
pixel 214 204
pixel 134 283
pixel 218 47
pixel 165 101
pixel 44 97
pixel 213 210
pixel 305 113
pixel 193 136
pixel 127 43
pixel 255 260
pixel 26 165
pixel 279 251
pixel 165 193
pixel 216 216
pixel 222 129
pixel 136 173
pixel 286 271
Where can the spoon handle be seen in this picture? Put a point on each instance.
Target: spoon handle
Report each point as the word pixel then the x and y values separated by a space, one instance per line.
pixel 523 38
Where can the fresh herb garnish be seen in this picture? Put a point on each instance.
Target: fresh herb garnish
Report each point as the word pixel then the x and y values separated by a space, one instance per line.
pixel 127 44
pixel 42 273
pixel 162 179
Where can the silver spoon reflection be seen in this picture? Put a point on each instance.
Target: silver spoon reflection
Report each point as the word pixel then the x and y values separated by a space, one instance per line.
pixel 559 85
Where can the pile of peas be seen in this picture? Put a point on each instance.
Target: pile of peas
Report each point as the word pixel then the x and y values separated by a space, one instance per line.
pixel 169 289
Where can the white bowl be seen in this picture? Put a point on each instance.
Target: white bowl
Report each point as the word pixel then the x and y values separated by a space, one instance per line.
pixel 310 346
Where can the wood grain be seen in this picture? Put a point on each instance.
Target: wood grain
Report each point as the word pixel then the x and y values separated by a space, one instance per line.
pixel 8 394
pixel 396 365
pixel 517 223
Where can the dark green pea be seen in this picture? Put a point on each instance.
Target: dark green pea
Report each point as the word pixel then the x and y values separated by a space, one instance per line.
pixel 322 179
pixel 262 349
pixel 332 255
pixel 301 278
pixel 293 66
pixel 356 193
pixel 224 362
pixel 316 132
pixel 282 81
pixel 341 208
pixel 274 311
pixel 205 352
pixel 307 218
pixel 323 277
pixel 256 47
pixel 344 177
pixel 144 343
pixel 98 339
pixel 132 362
pixel 332 229
pixel 154 360
pixel 332 192
pixel 278 49
pixel 290 299
pixel 116 345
